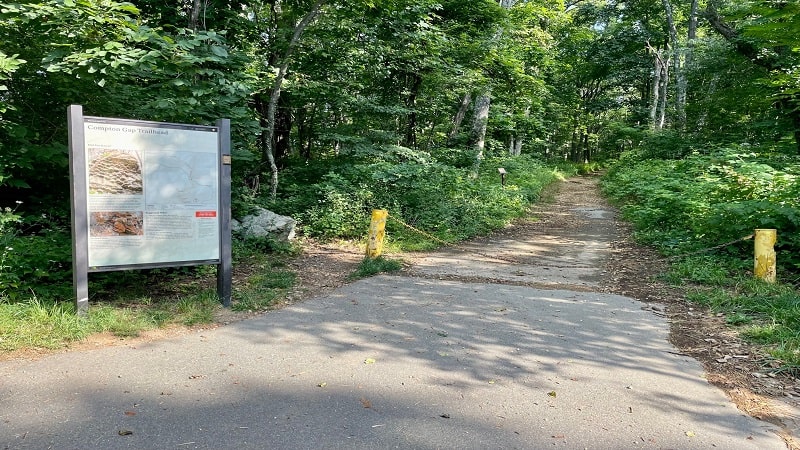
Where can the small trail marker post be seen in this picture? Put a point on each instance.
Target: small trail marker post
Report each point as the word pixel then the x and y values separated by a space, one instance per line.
pixel 377 232
pixel 765 264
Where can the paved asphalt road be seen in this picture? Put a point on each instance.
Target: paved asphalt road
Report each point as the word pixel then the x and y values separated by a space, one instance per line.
pixel 438 358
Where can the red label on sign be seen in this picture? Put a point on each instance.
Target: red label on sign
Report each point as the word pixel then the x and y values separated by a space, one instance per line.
pixel 205 214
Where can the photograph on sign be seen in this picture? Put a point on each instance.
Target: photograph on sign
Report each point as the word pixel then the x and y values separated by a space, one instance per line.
pixel 153 192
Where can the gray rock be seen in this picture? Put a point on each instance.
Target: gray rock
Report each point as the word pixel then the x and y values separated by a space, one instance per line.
pixel 265 224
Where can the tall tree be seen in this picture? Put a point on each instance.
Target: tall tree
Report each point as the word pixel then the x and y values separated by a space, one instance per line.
pixel 769 38
pixel 268 109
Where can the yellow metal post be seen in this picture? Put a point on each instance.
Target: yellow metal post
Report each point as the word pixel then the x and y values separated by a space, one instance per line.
pixel 765 262
pixel 377 231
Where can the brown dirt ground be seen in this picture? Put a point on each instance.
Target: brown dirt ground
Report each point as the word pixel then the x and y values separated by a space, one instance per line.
pixel 744 371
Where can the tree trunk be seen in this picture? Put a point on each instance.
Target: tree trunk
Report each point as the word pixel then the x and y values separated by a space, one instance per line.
pixel 587 154
pixel 680 75
pixel 462 112
pixel 478 136
pixel 683 83
pixel 194 15
pixel 517 148
pixel 269 132
pixel 304 131
pixel 662 103
pixel 411 104
pixel 658 107
pixel 656 97
pixel 283 131
pixel 518 138
pixel 573 144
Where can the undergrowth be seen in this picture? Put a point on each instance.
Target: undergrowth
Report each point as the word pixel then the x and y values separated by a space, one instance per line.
pixel 698 210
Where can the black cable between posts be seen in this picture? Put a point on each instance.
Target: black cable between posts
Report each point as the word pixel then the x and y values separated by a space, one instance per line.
pixel 716 247
pixel 451 244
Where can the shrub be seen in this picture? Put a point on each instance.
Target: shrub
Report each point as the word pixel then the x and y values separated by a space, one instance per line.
pixel 334 200
pixel 706 200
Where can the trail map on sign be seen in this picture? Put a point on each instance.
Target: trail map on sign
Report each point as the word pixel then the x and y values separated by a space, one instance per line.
pixel 181 179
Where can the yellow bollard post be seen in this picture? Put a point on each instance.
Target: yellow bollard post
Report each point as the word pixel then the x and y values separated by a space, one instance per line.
pixel 765 262
pixel 377 231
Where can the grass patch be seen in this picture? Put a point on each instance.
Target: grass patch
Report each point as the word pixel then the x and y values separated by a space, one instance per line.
pixel 127 304
pixel 767 314
pixel 374 266
pixel 704 269
pixel 262 289
pixel 37 323
pixel 42 324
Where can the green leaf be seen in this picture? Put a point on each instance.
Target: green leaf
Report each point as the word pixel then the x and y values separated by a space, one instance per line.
pixel 219 51
pixel 18 183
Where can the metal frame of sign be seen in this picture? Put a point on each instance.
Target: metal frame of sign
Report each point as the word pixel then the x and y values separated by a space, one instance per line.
pixel 122 240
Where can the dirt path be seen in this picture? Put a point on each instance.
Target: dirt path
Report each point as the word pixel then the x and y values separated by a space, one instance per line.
pixel 611 262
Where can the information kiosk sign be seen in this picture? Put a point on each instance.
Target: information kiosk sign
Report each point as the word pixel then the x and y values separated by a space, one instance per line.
pixel 148 194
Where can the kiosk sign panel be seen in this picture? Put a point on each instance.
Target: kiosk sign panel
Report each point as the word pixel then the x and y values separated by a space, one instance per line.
pixel 152 193
pixel 148 194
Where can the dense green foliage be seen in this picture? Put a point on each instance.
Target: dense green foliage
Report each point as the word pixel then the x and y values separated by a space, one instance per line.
pixel 335 198
pixel 704 200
